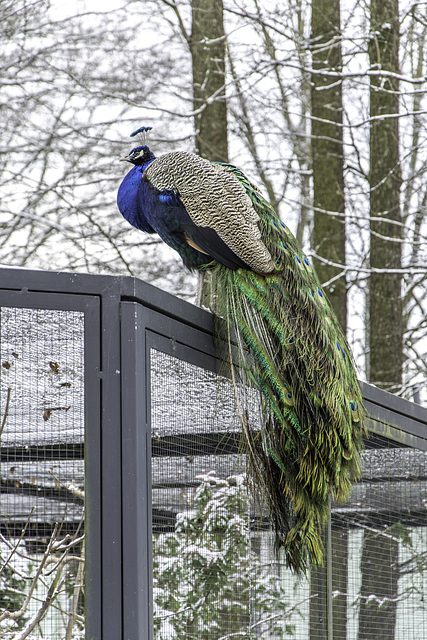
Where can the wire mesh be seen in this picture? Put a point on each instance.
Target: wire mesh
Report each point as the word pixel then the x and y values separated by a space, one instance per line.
pixel 42 474
pixel 215 571
pixel 386 524
pixel 216 574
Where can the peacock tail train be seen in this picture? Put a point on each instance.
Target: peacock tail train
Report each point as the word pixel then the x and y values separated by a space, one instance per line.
pixel 292 349
pixel 288 341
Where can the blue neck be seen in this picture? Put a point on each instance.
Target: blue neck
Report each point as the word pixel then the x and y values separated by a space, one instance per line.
pixel 127 197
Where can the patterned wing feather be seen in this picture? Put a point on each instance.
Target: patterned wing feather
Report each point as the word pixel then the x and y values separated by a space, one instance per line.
pixel 214 198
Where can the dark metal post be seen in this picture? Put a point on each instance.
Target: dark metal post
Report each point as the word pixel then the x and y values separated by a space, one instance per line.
pixel 136 477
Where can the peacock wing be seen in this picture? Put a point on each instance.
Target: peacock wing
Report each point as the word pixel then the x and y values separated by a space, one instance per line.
pixel 214 198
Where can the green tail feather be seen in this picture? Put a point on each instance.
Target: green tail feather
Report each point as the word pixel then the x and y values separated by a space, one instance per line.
pixel 294 352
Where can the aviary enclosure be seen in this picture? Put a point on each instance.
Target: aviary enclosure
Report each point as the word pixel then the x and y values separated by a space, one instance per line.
pixel 124 507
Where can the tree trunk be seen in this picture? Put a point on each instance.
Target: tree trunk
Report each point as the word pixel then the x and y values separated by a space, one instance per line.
pixel 208 51
pixel 385 289
pixel 329 244
pixel 339 582
pixel 318 618
pixel 379 563
pixel 380 574
pixel 327 152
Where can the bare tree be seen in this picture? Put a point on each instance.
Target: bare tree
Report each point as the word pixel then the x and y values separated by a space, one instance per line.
pixel 208 46
pixel 327 153
pixel 385 290
pixel 385 285
pixel 72 96
pixel 329 243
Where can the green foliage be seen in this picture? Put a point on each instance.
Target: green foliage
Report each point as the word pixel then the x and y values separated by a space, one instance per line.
pixel 209 582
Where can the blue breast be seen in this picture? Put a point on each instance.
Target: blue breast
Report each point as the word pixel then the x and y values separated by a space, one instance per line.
pixel 129 201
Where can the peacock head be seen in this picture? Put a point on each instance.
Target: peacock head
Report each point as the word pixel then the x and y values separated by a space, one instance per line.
pixel 139 155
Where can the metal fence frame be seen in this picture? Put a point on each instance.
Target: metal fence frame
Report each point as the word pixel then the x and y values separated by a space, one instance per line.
pixel 124 319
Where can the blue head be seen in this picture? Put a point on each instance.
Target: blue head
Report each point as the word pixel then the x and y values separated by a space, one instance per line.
pixel 140 156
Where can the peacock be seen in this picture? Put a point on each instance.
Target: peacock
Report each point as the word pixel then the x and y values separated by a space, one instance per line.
pixel 278 321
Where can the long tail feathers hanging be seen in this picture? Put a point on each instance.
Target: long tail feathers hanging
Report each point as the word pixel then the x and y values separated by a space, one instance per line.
pixel 291 348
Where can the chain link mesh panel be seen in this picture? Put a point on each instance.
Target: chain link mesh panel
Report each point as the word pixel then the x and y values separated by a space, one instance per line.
pixel 216 574
pixel 384 527
pixel 42 474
